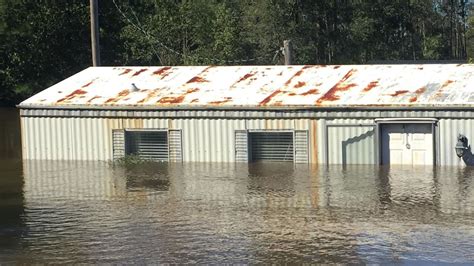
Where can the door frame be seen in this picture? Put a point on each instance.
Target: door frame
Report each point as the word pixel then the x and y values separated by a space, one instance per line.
pixel 380 122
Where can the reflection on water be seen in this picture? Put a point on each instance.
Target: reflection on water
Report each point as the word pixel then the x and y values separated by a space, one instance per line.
pixel 10 142
pixel 69 212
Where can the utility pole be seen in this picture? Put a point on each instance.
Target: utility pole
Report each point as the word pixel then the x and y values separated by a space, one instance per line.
pixel 287 52
pixel 94 9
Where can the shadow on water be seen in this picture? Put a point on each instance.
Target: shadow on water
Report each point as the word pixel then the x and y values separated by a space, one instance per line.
pixel 11 181
pixel 10 136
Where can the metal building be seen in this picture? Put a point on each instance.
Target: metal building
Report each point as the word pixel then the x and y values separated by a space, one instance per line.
pixel 351 114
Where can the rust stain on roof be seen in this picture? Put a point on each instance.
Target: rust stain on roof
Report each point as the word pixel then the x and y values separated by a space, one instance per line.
pixel 171 100
pixel 226 100
pixel 336 67
pixel 72 95
pixel 346 76
pixel 139 72
pixel 189 91
pixel 370 86
pixel 93 98
pixel 291 94
pixel 150 95
pixel 397 93
pixel 297 74
pixel 88 84
pixel 123 93
pixel 246 76
pixel 420 90
pixel 300 84
pixel 195 100
pixel 330 96
pixel 119 96
pixel 439 93
pixel 197 79
pixel 413 99
pixel 341 85
pixel 163 72
pixel 446 84
pixel 125 71
pixel 312 91
pixel 269 98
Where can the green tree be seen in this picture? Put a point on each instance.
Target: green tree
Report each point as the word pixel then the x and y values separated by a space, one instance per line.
pixel 45 42
pixel 41 45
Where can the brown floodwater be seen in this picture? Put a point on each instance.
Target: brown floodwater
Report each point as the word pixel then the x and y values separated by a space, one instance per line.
pixel 97 212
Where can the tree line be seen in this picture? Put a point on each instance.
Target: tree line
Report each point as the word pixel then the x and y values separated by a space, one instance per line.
pixel 44 42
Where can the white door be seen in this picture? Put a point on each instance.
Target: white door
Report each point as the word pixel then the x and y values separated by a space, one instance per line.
pixel 407 144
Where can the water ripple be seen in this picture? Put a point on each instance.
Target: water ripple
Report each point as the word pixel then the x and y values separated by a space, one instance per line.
pixel 70 212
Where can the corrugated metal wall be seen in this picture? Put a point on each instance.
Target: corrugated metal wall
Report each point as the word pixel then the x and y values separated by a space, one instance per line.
pixel 204 140
pixel 213 139
pixel 448 133
pixel 351 145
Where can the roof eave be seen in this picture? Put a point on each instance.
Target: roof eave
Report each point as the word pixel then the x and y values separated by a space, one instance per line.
pixel 257 108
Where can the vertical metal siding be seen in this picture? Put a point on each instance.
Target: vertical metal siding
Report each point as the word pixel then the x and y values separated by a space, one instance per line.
pixel 210 140
pixel 62 138
pixel 448 133
pixel 349 143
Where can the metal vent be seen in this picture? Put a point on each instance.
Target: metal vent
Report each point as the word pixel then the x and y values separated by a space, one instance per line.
pixel 152 145
pixel 271 146
pixel 301 146
pixel 175 146
pixel 241 146
pixel 118 143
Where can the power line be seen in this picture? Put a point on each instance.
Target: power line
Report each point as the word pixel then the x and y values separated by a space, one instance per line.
pixel 152 38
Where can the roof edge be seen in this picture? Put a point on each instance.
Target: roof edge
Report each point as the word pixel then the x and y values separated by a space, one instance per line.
pixel 257 108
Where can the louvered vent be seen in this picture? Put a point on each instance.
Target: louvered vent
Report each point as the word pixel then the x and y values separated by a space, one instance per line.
pixel 151 145
pixel 175 145
pixel 118 143
pixel 241 146
pixel 271 146
pixel 301 146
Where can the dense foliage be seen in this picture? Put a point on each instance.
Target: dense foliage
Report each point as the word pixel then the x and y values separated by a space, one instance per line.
pixel 45 41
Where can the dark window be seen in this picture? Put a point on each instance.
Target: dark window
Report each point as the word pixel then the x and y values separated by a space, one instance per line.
pixel 271 146
pixel 152 145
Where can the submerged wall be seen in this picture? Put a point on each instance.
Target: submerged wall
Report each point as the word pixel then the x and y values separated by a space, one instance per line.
pixel 335 138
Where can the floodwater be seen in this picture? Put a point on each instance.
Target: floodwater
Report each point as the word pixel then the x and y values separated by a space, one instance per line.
pixel 96 212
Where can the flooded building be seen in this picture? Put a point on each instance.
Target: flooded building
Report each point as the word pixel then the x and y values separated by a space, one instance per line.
pixel 351 114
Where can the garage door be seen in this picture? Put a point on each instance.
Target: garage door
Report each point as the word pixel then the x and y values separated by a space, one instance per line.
pixel 407 144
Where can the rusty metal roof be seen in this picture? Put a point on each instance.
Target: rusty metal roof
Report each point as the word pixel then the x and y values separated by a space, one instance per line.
pixel 318 86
